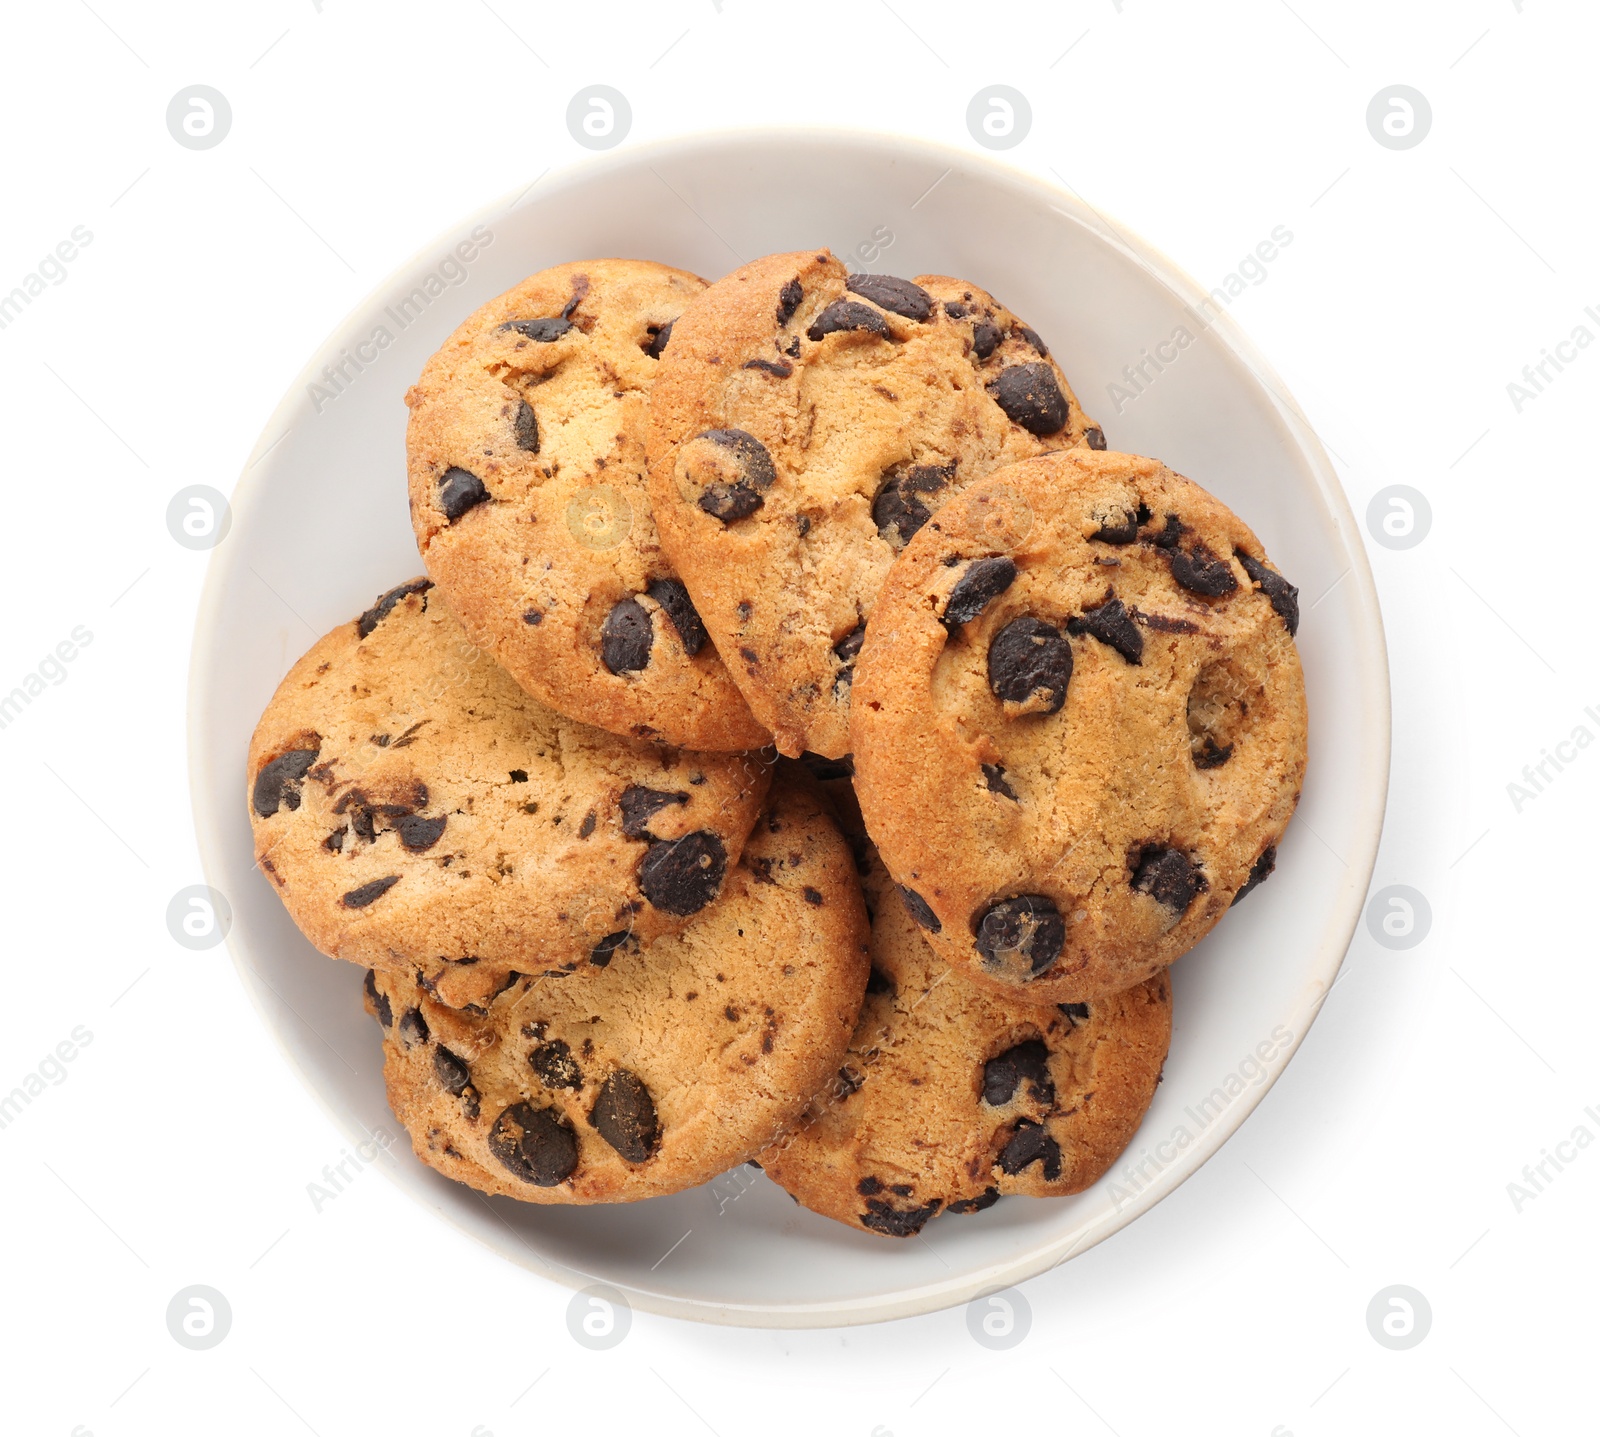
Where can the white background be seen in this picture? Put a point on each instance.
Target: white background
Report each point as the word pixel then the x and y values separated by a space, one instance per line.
pixel 178 1147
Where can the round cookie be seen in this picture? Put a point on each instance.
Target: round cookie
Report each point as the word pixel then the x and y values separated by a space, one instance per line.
pixel 1079 722
pixel 804 424
pixel 526 450
pixel 952 1097
pixel 420 813
pixel 681 1059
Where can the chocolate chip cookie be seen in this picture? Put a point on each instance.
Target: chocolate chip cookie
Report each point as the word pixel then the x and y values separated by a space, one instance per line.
pixel 805 422
pixel 420 813
pixel 1079 722
pixel 526 450
pixel 952 1097
pixel 678 1061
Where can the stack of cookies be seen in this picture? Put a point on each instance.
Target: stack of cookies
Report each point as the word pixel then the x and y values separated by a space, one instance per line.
pixel 810 746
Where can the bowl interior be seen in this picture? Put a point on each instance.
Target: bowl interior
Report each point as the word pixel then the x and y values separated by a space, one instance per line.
pixel 320 526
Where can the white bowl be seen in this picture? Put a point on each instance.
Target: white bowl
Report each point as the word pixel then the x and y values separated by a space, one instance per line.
pixel 320 527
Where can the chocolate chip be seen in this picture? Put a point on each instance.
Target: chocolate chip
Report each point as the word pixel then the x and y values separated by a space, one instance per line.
pixel 518 775
pixel 892 1222
pixel 792 348
pixel 1030 661
pixel 532 616
pixel 1208 755
pixel 419 834
pixel 850 645
pixel 600 954
pixel 451 1070
pixel 679 607
pixel 869 1186
pixel 995 777
pixel 917 907
pixel 1200 571
pixel 369 892
pixel 1031 1143
pixel 526 427
pixel 587 826
pixel 413 1028
pixel 1095 437
pixel 984 580
pixel 626 637
pixel 555 1065
pixel 1030 396
pixel 541 330
pixel 278 781
pixel 789 298
pixel 1163 623
pixel 386 602
pixel 1028 926
pixel 781 369
pixel 897 511
pixel 1259 871
pixel 898 296
pixel 847 314
pixel 1074 1013
pixel 986 1199
pixel 741 498
pixel 811 896
pixel 1033 338
pixel 1167 876
pixel 1029 1061
pixel 658 338
pixel 625 1116
pixel 1113 626
pixel 985 338
pixel 1284 596
pixel 380 1001
pixel 824 769
pixel 639 805
pixel 460 490
pixel 683 876
pixel 534 1144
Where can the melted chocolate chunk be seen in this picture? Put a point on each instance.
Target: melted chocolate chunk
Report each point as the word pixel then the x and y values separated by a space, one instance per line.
pixel 1095 437
pixel 1028 926
pixel 955 309
pixel 679 607
pixel 846 314
pixel 639 805
pixel 385 605
pixel 625 1116
pixel 1030 660
pixel 1208 755
pixel 413 1028
pixel 917 907
pixel 995 778
pixel 600 954
pixel 419 834
pixel 542 331
pixel 985 338
pixel 1284 596
pixel 555 1065
pixel 1126 530
pixel 1167 876
pixel 986 1199
pixel 730 502
pixel 658 338
pixel 897 510
pixel 740 499
pixel 534 1144
pixel 278 781
pixel 1033 339
pixel 898 296
pixel 369 892
pixel 1030 396
pixel 451 1070
pixel 380 1001
pixel 880 1216
pixel 1113 626
pixel 789 298
pixel 984 580
pixel 1027 1062
pixel 1031 1143
pixel 526 427
pixel 626 637
pixel 778 368
pixel 1200 571
pixel 1260 871
pixel 459 491
pixel 683 876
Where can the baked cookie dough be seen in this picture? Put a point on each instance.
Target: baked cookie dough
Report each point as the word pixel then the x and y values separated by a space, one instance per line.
pixel 952 1096
pixel 679 1060
pixel 1079 722
pixel 805 423
pixel 526 451
pixel 420 813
